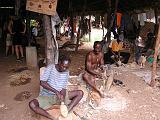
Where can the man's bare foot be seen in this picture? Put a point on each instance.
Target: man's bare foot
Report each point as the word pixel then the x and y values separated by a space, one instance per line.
pixel 152 83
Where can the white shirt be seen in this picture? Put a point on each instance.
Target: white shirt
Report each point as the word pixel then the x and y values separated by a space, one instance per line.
pixel 140 42
pixel 57 80
pixel 35 31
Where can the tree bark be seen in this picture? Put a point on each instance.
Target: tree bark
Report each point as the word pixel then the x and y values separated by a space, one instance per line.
pixel 71 19
pixel 17 6
pixel 28 28
pixel 110 19
pixel 72 27
pixel 90 24
pixel 49 43
pixel 154 68
pixel 80 25
pixel 78 34
pixel 54 33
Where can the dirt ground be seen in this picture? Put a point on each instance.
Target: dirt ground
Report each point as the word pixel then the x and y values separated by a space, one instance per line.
pixel 133 100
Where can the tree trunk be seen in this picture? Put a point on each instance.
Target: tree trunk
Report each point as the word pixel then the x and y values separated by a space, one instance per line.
pixel 72 27
pixel 78 34
pixel 110 19
pixel 154 68
pixel 17 6
pixel 54 33
pixel 49 43
pixel 80 25
pixel 28 28
pixel 71 19
pixel 90 26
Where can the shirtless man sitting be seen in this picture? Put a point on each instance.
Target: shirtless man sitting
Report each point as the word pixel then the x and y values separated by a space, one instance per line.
pixel 94 60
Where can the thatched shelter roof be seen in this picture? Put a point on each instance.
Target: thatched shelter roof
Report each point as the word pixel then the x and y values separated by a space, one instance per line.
pixel 92 6
pixel 65 7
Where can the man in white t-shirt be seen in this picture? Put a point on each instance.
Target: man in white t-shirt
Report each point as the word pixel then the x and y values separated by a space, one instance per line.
pixel 53 89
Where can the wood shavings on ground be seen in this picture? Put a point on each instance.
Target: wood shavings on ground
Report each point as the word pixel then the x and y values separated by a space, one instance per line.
pixel 73 80
pixel 3 107
pixel 21 78
pixel 22 96
pixel 19 69
pixel 116 103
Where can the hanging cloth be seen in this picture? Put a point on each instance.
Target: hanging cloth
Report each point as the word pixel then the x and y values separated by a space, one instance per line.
pixel 74 25
pixel 122 23
pixel 142 18
pixel 151 16
pixel 119 16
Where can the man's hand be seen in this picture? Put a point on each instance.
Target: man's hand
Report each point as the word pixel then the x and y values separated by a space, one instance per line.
pixel 99 75
pixel 63 92
pixel 102 68
pixel 60 96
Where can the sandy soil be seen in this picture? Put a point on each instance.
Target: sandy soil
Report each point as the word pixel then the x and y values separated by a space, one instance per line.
pixel 135 100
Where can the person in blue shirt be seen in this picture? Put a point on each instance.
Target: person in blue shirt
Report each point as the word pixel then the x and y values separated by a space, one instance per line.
pixel 53 88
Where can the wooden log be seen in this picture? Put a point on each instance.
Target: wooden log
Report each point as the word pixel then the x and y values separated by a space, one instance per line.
pixel 31 57
pixel 110 80
pixel 54 112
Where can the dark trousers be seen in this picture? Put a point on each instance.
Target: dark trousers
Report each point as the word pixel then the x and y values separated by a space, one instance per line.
pixel 125 57
pixel 109 60
pixel 138 53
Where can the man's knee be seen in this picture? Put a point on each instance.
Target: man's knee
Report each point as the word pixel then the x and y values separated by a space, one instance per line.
pixel 84 76
pixel 33 104
pixel 80 93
